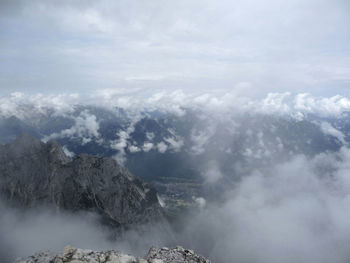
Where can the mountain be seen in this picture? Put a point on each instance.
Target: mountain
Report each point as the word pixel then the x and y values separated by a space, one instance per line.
pixel 155 255
pixel 185 156
pixel 34 173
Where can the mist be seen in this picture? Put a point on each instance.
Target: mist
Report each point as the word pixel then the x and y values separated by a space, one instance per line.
pixel 295 211
pixel 23 233
pixel 275 195
pixel 236 112
pixel 298 211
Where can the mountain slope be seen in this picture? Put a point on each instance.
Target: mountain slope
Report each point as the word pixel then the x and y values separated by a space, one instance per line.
pixel 34 173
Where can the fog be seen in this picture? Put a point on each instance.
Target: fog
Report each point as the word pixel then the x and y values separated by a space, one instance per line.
pixel 296 211
pixel 284 205
pixel 244 101
pixel 23 233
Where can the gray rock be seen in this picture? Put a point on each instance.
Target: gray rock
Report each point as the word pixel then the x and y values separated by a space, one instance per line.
pixel 175 255
pixel 34 173
pixel 40 257
pixel 155 255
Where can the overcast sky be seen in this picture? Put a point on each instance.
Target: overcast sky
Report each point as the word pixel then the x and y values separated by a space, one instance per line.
pixel 246 46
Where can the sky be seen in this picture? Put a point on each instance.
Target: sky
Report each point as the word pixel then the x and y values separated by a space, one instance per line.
pixel 247 47
pixel 141 53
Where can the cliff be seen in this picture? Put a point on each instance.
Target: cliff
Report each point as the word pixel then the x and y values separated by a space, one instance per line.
pixel 34 173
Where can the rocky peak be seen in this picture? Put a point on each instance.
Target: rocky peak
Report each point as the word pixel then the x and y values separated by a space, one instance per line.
pixel 34 173
pixel 155 255
pixel 24 144
pixel 56 152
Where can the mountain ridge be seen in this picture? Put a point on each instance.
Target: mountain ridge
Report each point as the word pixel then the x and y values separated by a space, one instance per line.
pixel 33 173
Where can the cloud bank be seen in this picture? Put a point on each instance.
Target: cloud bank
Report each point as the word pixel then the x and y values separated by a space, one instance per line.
pixel 295 105
pixel 296 211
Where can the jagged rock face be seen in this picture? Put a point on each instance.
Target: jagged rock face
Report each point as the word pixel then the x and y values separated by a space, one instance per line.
pixel 33 173
pixel 178 254
pixel 155 255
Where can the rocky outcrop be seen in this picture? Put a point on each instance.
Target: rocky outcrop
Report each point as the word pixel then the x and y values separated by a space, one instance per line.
pixel 34 173
pixel 178 254
pixel 155 255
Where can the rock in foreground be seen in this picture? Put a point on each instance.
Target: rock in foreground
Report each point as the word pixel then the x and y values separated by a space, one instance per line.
pixel 155 255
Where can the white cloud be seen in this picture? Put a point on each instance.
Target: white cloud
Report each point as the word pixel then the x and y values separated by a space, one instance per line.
pixel 218 105
pixel 201 138
pixel 213 173
pixel 292 212
pixel 282 104
pixel 275 103
pixel 147 146
pixel 175 144
pixel 162 147
pixel 25 106
pixel 122 143
pixel 330 130
pixel 134 149
pixel 68 152
pixel 280 145
pixel 200 201
pixel 86 127
pixel 332 106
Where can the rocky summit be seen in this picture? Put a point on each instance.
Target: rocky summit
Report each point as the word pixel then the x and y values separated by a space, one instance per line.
pixel 155 255
pixel 35 173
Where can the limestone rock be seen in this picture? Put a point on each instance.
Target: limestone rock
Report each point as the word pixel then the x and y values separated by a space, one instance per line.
pixel 178 255
pixel 34 173
pixel 155 255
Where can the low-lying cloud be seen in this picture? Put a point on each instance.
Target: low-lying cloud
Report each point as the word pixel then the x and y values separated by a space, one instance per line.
pixel 22 233
pixel 290 211
pixel 86 127
pixel 296 211
pixel 296 105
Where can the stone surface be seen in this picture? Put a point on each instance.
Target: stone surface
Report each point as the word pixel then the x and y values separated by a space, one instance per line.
pixel 178 255
pixel 155 255
pixel 34 173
